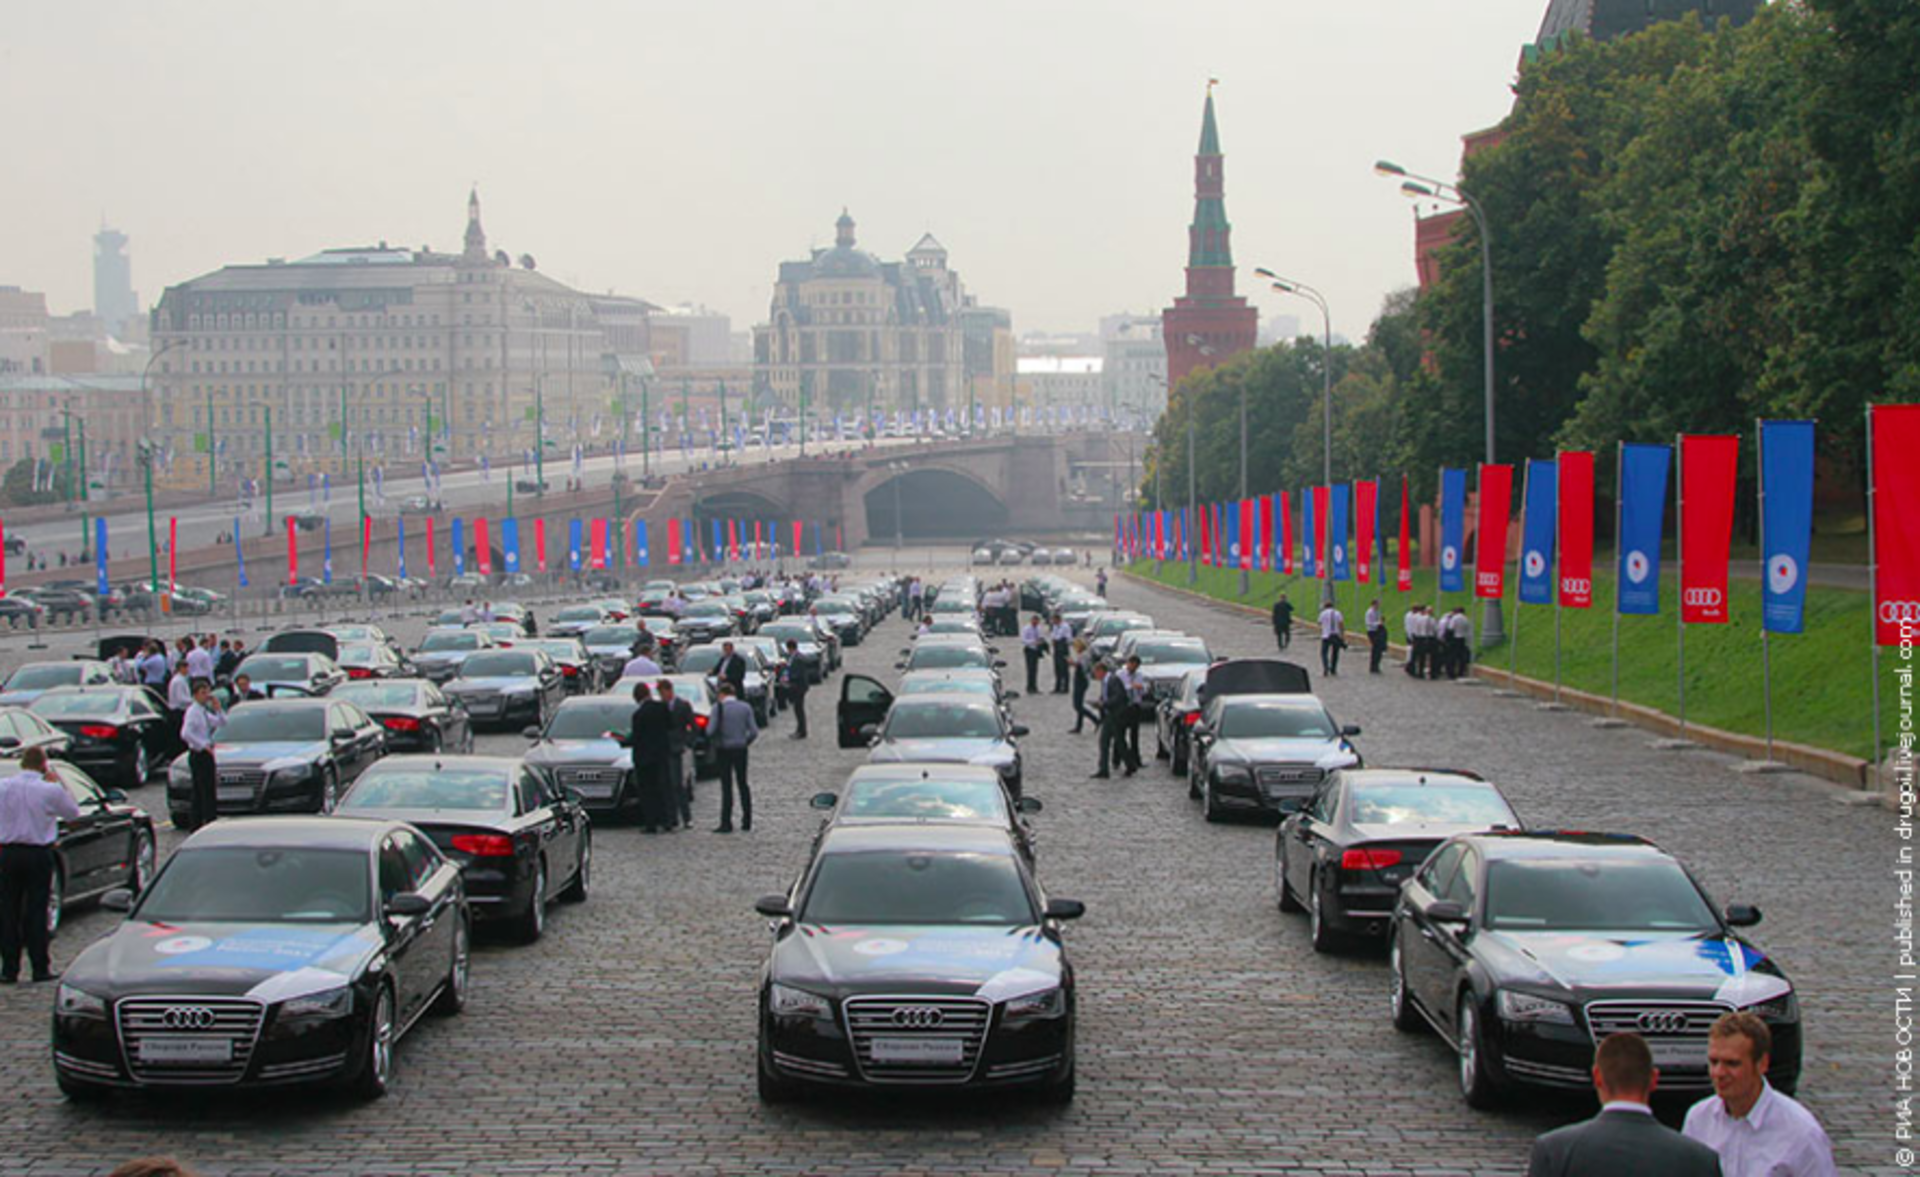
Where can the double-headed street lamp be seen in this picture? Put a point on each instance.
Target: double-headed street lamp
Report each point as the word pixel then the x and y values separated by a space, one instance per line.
pixel 1289 286
pixel 1416 185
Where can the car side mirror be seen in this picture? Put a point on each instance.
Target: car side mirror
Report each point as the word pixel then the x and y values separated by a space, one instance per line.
pixel 531 731
pixel 113 796
pixel 899 665
pixel 824 800
pixel 774 907
pixel 118 899
pixel 342 733
pixel 408 904
pixel 1028 805
pixel 999 663
pixel 1352 729
pixel 1065 909
pixel 1742 915
pixel 1447 912
pixel 1018 729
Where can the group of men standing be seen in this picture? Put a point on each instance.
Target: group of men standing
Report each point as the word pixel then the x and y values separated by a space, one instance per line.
pixel 1038 638
pixel 1441 643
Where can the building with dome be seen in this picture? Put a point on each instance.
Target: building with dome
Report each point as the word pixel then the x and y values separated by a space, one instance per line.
pixel 846 331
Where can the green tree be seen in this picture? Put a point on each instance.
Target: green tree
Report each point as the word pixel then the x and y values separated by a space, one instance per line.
pixel 18 485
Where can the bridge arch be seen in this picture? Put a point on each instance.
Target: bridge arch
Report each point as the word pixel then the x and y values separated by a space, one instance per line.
pixel 934 502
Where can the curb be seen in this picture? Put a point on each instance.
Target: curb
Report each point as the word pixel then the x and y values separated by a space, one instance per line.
pixel 1837 768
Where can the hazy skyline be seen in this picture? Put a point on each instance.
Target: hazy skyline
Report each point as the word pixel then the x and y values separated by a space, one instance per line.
pixel 679 153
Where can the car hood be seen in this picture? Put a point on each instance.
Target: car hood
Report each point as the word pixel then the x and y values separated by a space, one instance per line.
pixel 440 657
pixel 20 698
pixel 992 963
pixel 469 686
pixel 555 752
pixel 269 754
pixel 1593 964
pixel 1327 752
pixel 948 750
pixel 271 962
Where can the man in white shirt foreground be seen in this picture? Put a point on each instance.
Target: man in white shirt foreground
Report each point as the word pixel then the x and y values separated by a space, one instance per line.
pixel 32 802
pixel 1757 1131
pixel 203 720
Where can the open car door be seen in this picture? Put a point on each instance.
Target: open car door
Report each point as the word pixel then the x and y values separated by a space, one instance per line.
pixel 863 701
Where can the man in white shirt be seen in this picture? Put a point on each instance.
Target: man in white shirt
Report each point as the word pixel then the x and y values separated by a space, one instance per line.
pixel 1757 1131
pixel 1376 636
pixel 202 722
pixel 641 666
pixel 1410 624
pixel 1333 639
pixel 200 662
pixel 469 614
pixel 1033 643
pixel 1060 637
pixel 1459 638
pixel 179 698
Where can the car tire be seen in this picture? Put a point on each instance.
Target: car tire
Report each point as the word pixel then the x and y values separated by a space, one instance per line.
pixel 1323 935
pixel 1406 1018
pixel 1213 810
pixel 1477 1084
pixel 56 899
pixel 773 1088
pixel 329 790
pixel 1177 758
pixel 181 819
pixel 531 924
pixel 1193 782
pixel 453 992
pixel 141 862
pixel 142 768
pixel 576 891
pixel 1288 901
pixel 435 743
pixel 376 1064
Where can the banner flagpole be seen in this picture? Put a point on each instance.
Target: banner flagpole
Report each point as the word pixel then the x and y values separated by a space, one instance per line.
pixel 1766 652
pixel 1873 590
pixel 1513 635
pixel 1559 602
pixel 1680 582
pixel 1619 498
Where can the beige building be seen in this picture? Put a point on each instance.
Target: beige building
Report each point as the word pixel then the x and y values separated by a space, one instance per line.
pixel 847 330
pixel 356 351
pixel 105 412
pixel 23 331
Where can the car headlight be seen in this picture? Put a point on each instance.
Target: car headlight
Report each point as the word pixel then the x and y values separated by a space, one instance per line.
pixel 1779 1009
pixel 1048 1003
pixel 1525 1007
pixel 78 1003
pixel 784 1001
pixel 518 692
pixel 293 773
pixel 329 1003
pixel 1232 774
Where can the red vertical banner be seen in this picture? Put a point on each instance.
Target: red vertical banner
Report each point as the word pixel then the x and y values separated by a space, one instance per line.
pixel 799 533
pixel 1490 531
pixel 1403 570
pixel 1366 501
pixel 1246 533
pixel 674 554
pixel 756 539
pixel 1708 463
pixel 293 550
pixel 1322 555
pixel 366 543
pixel 733 539
pixel 540 544
pixel 1264 541
pixel 1576 528
pixel 1286 533
pixel 173 552
pixel 482 550
pixel 1894 431
pixel 597 543
pixel 839 539
pixel 430 556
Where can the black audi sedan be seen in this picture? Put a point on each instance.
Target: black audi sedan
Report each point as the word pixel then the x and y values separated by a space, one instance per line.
pixel 1264 754
pixel 119 734
pixel 1523 950
pixel 314 674
pixel 1344 856
pixel 508 687
pixel 577 670
pixel 964 794
pixel 520 841
pixel 282 756
pixel 917 955
pixel 268 951
pixel 418 716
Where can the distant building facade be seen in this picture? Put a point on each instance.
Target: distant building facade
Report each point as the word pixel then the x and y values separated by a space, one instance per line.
pixel 113 297
pixel 105 411
pixel 23 331
pixel 1047 383
pixel 1134 367
pixel 353 351
pixel 1209 322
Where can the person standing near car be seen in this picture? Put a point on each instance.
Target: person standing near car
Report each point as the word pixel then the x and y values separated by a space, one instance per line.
pixel 1138 692
pixel 32 804
pixel 1113 707
pixel 1283 621
pixel 1624 1137
pixel 732 669
pixel 650 740
pixel 153 667
pixel 1060 640
pixel 199 660
pixel 1376 636
pixel 1757 1131
pixel 198 727
pixel 1082 656
pixel 799 678
pixel 733 732
pixel 179 698
pixel 679 739
pixel 1333 639
pixel 1033 643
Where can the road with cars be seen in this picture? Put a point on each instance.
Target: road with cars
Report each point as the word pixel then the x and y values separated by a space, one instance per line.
pixel 1211 1038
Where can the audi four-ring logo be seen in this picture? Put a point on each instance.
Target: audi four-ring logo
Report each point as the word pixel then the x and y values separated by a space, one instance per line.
pixel 1662 1021
pixel 919 1017
pixel 1704 596
pixel 188 1017
pixel 1576 584
pixel 1894 612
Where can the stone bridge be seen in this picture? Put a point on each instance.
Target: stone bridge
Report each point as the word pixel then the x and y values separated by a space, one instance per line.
pixel 1026 484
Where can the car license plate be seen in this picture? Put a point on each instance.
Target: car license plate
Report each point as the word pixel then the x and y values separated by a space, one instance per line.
pixel 594 792
pixel 1686 1054
pixel 919 1051
pixel 234 793
pixel 186 1051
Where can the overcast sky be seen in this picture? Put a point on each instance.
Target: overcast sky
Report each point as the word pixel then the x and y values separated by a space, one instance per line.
pixel 680 151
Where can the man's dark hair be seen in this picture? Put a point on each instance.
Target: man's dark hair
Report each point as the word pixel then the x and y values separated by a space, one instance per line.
pixel 1625 1063
pixel 640 692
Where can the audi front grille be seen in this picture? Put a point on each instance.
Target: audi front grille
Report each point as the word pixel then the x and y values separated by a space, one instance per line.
pixel 188 1040
pixel 1654 1020
pixel 951 1030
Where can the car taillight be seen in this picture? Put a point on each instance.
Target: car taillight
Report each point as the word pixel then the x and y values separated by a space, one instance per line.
pixel 401 723
pixel 484 845
pixel 99 731
pixel 570 671
pixel 700 721
pixel 1369 859
pixel 359 672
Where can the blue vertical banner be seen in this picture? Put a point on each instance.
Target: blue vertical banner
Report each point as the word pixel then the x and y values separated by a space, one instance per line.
pixel 510 543
pixel 1786 508
pixel 1307 565
pixel 100 556
pixel 326 550
pixel 459 548
pixel 1232 522
pixel 401 526
pixel 1643 506
pixel 719 542
pixel 1453 529
pixel 1542 510
pixel 640 557
pixel 573 544
pixel 239 555
pixel 1337 512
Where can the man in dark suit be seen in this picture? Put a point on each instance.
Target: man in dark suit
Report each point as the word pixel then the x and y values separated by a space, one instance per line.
pixel 1624 1137
pixel 1114 705
pixel 733 669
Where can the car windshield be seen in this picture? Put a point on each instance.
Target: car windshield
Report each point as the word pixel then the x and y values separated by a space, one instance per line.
pixel 1586 895
pixel 377 694
pixel 1151 653
pixel 39 678
pixel 101 703
pixel 591 721
pixel 934 800
pixel 482 789
pixel 263 724
pixel 265 668
pixel 559 651
pixel 895 887
pixel 352 633
pixel 1113 625
pixel 611 635
pixel 359 655
pixel 578 613
pixel 928 720
pixel 935 686
pixel 691 687
pixel 787 633
pixel 490 665
pixel 451 640
pixel 1275 721
pixel 700 659
pixel 1457 804
pixel 708 609
pixel 260 884
pixel 946 657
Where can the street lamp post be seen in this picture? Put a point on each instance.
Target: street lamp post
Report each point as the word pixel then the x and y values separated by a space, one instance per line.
pixel 1414 184
pixel 1289 286
pixel 145 451
pixel 1193 567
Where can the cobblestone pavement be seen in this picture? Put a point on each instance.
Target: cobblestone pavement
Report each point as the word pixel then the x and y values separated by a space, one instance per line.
pixel 1212 1040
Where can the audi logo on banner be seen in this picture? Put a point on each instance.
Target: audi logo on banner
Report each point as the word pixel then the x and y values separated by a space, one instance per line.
pixel 1488 580
pixel 188 1017
pixel 1897 612
pixel 1662 1021
pixel 1705 598
pixel 1576 585
pixel 918 1017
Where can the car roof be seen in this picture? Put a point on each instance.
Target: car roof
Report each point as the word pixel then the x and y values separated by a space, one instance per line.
pixel 343 833
pixel 288 704
pixel 1387 774
pixel 916 836
pixel 1563 844
pixel 913 770
pixel 419 760
pixel 1301 702
pixel 966 699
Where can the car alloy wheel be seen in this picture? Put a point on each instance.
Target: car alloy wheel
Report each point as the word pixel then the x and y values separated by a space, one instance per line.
pixel 1287 900
pixel 533 922
pixel 143 860
pixel 329 792
pixel 1404 1017
pixel 377 1072
pixel 1476 1084
pixel 142 764
pixel 576 891
pixel 435 743
pixel 1323 935
pixel 56 901
pixel 453 994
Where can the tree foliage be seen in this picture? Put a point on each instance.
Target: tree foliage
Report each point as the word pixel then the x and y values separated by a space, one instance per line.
pixel 18 485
